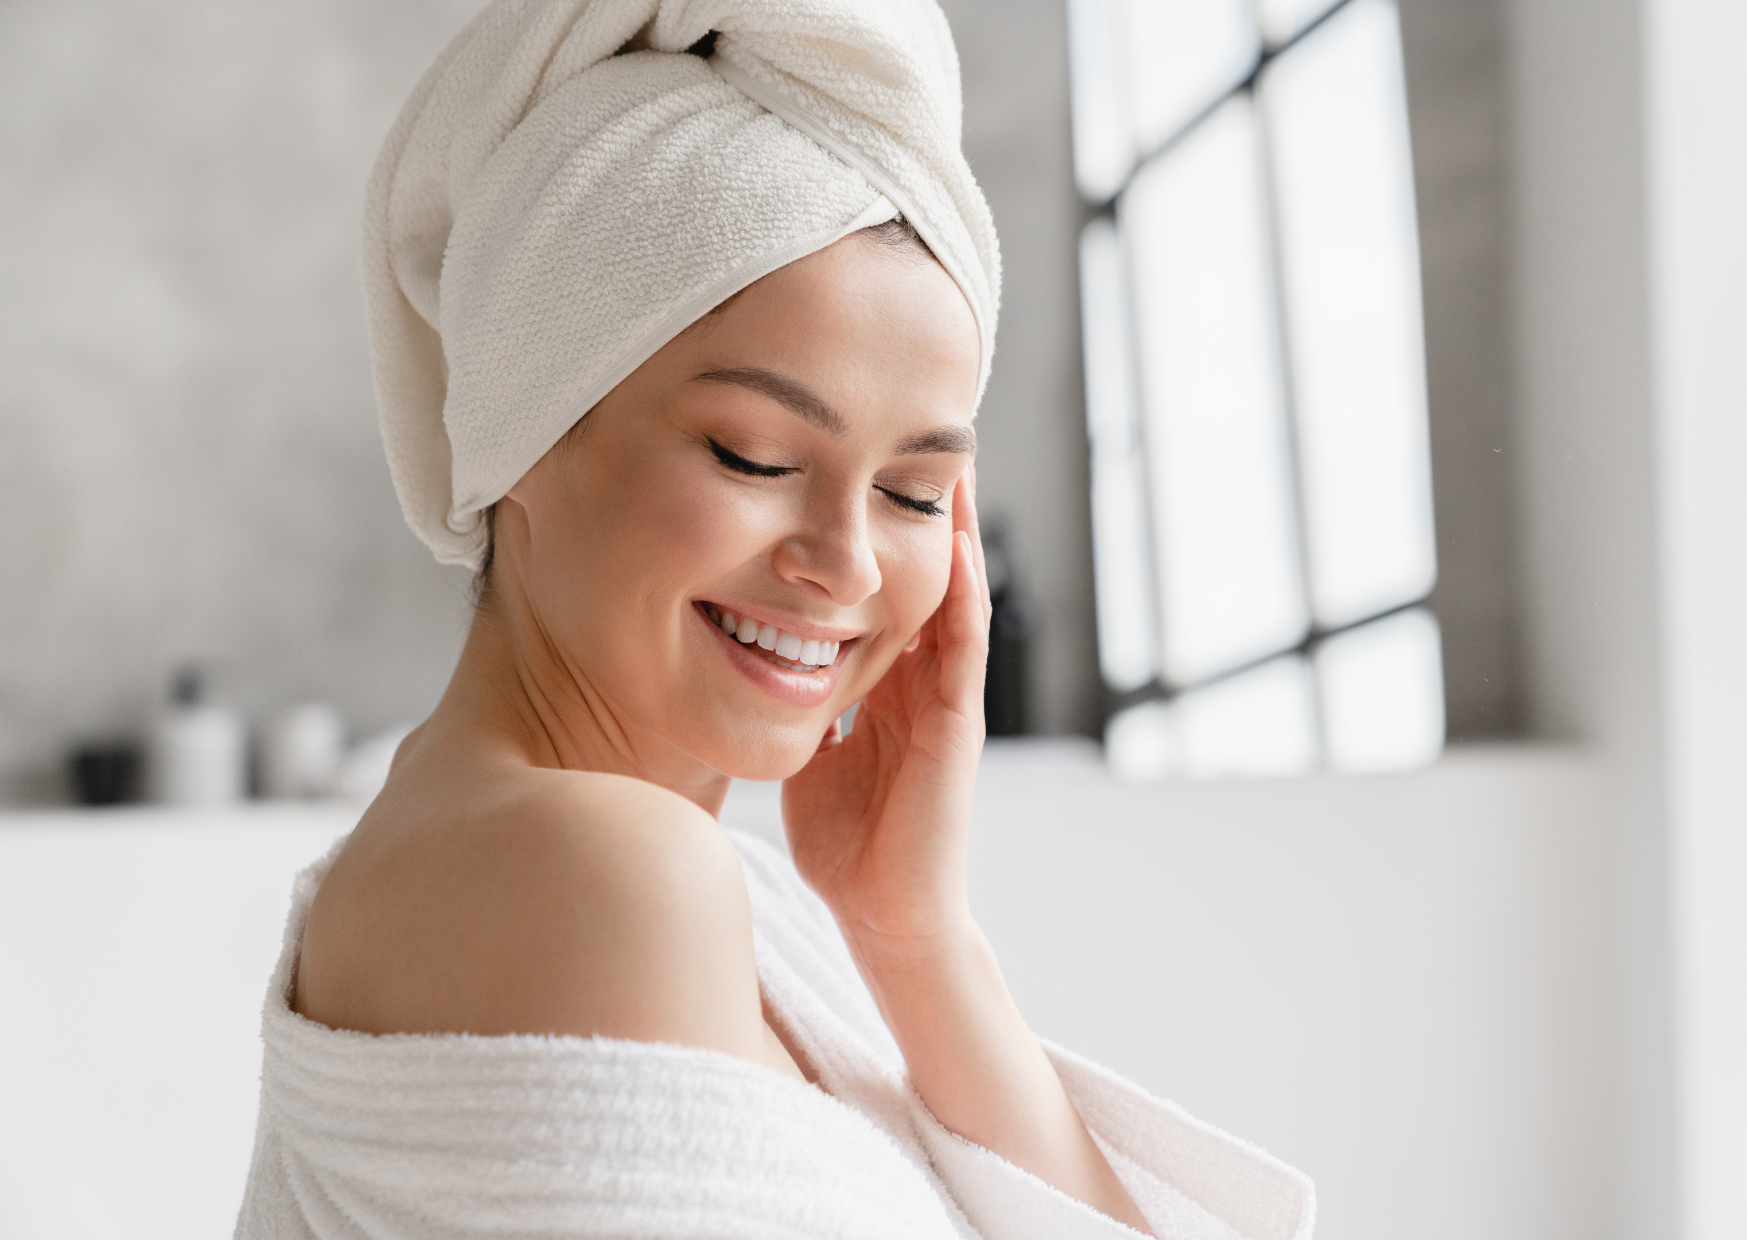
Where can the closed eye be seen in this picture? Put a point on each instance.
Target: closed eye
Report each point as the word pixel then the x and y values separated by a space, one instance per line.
pixel 740 464
pixel 928 507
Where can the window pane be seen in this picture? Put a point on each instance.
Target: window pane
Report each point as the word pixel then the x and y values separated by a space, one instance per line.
pixel 1104 140
pixel 1141 742
pixel 1143 69
pixel 1382 688
pixel 1282 19
pixel 1215 430
pixel 1183 55
pixel 1122 572
pixel 1337 126
pixel 1258 723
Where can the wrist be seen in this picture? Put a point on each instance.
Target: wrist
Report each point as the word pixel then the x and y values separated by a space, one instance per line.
pixel 944 940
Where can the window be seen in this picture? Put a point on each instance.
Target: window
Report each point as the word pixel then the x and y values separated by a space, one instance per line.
pixel 1255 387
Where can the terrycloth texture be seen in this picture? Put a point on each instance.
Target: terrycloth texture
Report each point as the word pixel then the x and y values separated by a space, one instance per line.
pixel 450 1136
pixel 546 214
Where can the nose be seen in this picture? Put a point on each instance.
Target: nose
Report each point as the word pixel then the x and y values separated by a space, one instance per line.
pixel 831 551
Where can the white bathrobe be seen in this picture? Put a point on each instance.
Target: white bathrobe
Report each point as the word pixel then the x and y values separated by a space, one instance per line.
pixel 446 1135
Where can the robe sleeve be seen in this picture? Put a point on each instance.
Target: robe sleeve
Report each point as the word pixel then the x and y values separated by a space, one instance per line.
pixel 1189 1180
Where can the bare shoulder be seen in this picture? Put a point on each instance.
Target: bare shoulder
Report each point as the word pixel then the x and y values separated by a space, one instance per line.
pixel 557 902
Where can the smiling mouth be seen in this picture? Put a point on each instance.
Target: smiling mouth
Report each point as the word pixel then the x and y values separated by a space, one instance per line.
pixel 784 650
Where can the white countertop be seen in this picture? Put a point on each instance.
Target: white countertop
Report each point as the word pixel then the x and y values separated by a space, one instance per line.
pixel 1391 982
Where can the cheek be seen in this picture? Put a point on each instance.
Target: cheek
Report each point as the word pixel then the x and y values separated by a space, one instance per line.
pixel 676 524
pixel 914 573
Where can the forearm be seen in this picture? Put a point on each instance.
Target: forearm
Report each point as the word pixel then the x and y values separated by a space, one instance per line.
pixel 980 1070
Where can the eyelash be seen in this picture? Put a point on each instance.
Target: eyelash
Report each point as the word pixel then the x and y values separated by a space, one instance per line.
pixel 928 507
pixel 740 464
pixel 733 460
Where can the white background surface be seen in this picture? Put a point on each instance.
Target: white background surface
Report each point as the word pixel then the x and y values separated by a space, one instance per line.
pixel 134 953
pixel 1392 983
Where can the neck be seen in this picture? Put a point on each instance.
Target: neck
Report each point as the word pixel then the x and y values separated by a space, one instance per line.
pixel 515 697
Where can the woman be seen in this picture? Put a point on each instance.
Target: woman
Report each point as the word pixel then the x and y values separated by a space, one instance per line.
pixel 538 990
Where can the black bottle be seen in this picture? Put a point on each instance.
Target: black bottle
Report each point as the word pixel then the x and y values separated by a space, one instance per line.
pixel 1006 700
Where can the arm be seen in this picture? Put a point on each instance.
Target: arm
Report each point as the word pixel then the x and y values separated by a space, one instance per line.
pixel 981 1071
pixel 879 825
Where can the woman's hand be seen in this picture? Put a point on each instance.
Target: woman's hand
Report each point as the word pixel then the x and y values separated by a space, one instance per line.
pixel 878 825
pixel 878 821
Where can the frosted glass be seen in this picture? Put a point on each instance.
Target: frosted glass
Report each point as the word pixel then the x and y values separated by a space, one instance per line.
pixel 1122 569
pixel 1382 687
pixel 1337 124
pixel 1141 70
pixel 1141 742
pixel 1104 138
pixel 1262 722
pixel 1282 19
pixel 1215 429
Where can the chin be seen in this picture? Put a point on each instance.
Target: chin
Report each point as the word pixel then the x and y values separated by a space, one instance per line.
pixel 767 772
pixel 765 753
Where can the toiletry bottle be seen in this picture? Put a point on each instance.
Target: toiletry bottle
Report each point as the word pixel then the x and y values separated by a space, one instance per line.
pixel 301 753
pixel 199 751
pixel 1006 683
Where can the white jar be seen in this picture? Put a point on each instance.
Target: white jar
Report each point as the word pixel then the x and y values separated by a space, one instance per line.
pixel 301 753
pixel 197 753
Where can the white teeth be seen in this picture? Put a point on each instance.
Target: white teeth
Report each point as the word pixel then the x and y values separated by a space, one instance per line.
pixel 747 631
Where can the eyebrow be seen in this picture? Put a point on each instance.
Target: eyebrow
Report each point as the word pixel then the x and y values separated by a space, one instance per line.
pixel 961 439
pixel 801 400
pixel 785 391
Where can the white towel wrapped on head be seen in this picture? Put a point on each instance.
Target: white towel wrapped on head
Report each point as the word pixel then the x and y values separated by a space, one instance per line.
pixel 552 208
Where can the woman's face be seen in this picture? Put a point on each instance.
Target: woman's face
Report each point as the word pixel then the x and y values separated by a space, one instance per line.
pixel 786 466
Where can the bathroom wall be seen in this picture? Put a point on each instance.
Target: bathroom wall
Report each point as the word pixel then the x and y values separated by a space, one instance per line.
pixel 1459 114
pixel 189 464
pixel 1031 431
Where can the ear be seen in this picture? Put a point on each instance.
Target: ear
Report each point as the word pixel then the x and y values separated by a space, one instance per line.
pixel 518 494
pixel 512 520
pixel 532 492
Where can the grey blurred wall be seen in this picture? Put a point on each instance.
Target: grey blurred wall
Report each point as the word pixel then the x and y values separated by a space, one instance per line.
pixel 189 463
pixel 1459 113
pixel 1031 431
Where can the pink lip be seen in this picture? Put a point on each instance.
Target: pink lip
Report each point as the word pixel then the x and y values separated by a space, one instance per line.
pixel 797 688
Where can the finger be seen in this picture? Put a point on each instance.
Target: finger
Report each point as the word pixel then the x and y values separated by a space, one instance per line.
pixel 964 633
pixel 965 519
pixel 977 549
